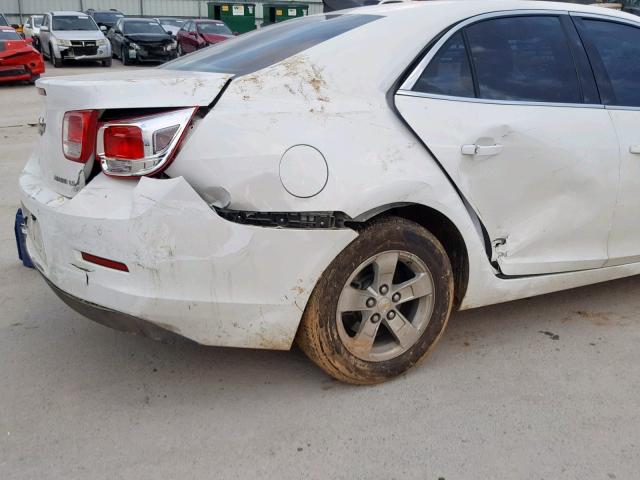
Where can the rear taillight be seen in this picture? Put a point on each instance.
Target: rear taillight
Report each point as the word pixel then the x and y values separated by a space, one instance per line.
pixel 123 142
pixel 142 145
pixel 78 134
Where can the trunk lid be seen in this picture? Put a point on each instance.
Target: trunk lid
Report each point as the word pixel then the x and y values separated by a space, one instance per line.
pixel 131 90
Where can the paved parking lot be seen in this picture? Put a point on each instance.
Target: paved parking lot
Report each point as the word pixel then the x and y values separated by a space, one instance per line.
pixel 544 388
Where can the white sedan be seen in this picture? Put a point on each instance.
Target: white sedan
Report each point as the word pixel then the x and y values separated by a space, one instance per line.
pixel 346 181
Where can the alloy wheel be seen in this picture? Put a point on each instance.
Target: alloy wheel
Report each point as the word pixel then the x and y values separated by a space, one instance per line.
pixel 385 306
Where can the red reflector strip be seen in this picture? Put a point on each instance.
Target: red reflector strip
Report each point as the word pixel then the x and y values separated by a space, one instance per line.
pixel 104 262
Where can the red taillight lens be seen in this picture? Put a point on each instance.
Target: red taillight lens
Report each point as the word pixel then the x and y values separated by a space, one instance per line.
pixel 123 142
pixel 79 134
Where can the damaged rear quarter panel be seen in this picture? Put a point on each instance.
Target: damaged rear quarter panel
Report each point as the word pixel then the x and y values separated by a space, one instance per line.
pixel 190 271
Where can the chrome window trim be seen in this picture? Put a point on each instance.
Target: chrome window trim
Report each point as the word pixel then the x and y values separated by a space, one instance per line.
pixel 435 96
pixel 406 88
pixel 621 107
pixel 610 18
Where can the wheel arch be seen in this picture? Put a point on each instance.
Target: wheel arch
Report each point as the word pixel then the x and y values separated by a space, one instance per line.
pixel 442 228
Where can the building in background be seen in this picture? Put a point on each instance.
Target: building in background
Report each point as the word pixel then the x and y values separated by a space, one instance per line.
pixel 17 11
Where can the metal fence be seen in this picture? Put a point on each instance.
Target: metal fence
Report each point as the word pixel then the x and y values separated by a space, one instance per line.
pixel 17 10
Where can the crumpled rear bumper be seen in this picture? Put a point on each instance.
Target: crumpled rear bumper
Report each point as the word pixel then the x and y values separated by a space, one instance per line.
pixel 23 66
pixel 190 271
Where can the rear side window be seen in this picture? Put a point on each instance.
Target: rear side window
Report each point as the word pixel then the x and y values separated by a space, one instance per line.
pixel 523 59
pixel 449 72
pixel 618 46
pixel 259 49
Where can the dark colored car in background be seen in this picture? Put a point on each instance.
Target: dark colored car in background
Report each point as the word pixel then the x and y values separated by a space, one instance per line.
pixel 197 34
pixel 141 40
pixel 105 18
pixel 18 59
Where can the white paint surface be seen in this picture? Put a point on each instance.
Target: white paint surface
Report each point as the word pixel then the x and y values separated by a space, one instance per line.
pixel 303 171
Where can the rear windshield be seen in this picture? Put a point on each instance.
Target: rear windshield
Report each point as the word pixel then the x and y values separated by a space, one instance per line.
pixel 143 26
pixel 267 46
pixel 214 28
pixel 111 17
pixel 9 35
pixel 76 22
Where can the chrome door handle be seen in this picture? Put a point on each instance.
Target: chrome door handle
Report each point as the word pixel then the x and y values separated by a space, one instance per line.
pixel 634 149
pixel 483 150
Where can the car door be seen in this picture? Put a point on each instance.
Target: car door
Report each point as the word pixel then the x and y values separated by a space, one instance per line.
pixel 193 37
pixel 114 37
pixel 508 106
pixel 184 38
pixel 26 28
pixel 614 50
pixel 45 33
pixel 187 44
pixel 181 34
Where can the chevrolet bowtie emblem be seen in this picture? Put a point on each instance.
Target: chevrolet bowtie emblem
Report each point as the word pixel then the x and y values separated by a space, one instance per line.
pixel 42 126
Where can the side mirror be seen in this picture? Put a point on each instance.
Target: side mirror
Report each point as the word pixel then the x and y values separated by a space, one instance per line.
pixel 103 28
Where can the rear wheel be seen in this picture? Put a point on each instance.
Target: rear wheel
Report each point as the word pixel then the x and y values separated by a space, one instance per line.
pixel 381 305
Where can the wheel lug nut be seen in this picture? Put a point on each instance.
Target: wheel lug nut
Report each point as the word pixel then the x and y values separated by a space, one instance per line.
pixel 371 302
pixel 396 297
pixel 384 289
pixel 375 318
pixel 391 315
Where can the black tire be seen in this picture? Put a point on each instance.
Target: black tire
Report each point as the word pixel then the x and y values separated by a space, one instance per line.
pixel 106 63
pixel 123 57
pixel 55 61
pixel 318 335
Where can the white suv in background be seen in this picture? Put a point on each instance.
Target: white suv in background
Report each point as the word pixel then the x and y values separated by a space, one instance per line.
pixel 73 36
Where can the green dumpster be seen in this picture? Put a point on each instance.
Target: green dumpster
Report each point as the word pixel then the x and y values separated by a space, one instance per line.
pixel 278 12
pixel 239 17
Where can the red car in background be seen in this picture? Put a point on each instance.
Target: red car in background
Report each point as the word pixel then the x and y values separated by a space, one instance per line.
pixel 18 59
pixel 197 34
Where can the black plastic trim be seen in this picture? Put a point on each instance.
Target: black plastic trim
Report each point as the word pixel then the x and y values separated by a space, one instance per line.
pixel 300 220
pixel 114 319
